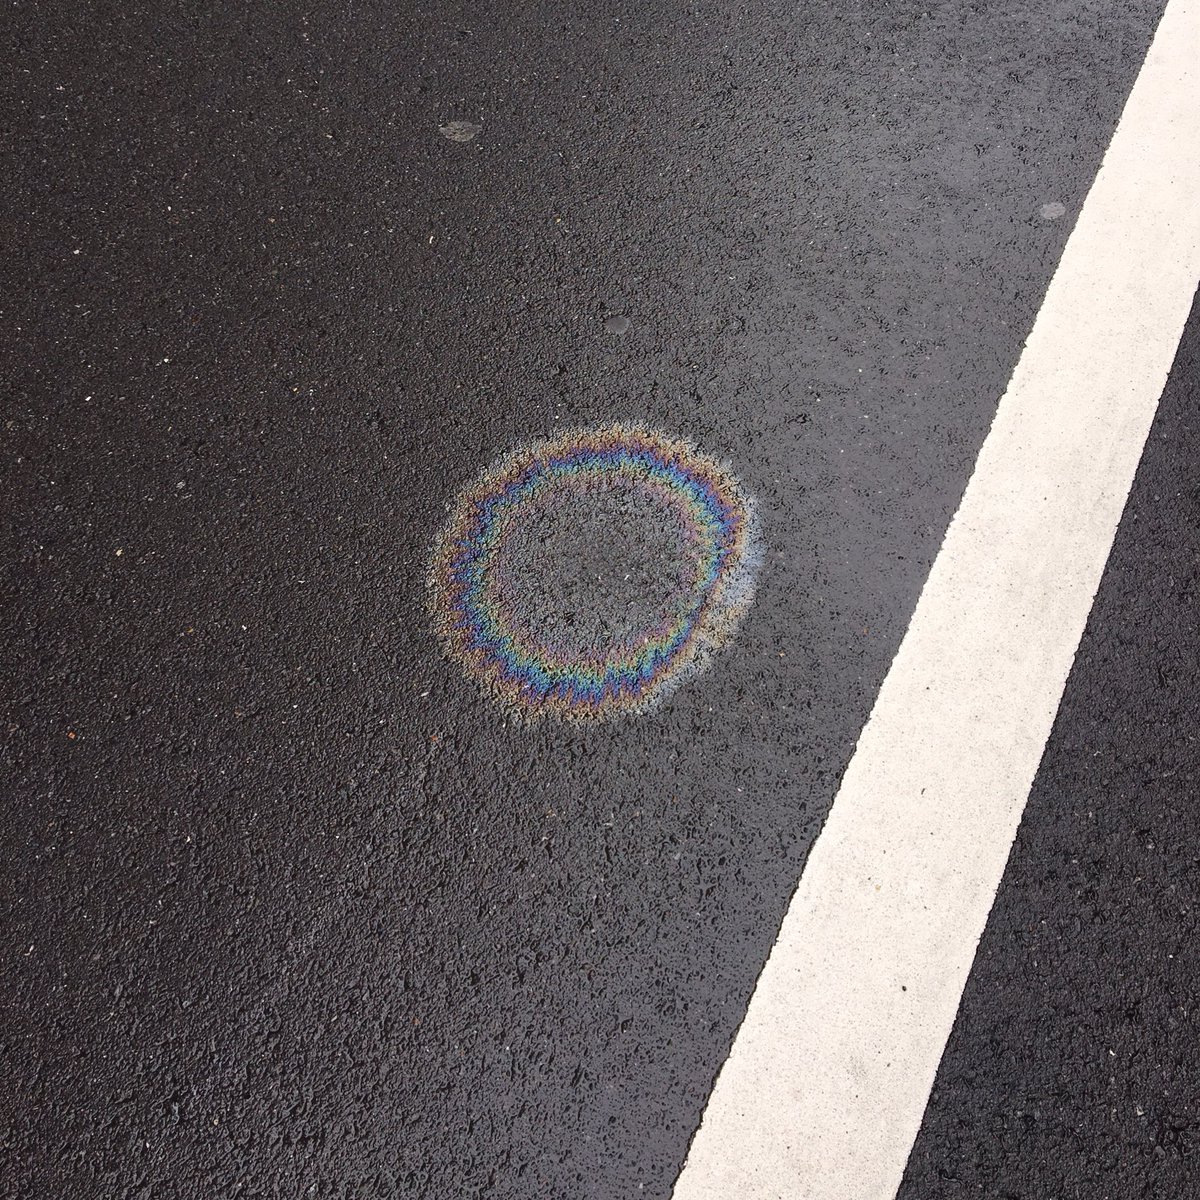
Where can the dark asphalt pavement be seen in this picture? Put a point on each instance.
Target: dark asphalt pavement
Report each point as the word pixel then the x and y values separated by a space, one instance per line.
pixel 291 910
pixel 1072 1071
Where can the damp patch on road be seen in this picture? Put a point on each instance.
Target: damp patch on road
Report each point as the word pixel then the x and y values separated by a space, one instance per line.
pixel 587 576
pixel 459 131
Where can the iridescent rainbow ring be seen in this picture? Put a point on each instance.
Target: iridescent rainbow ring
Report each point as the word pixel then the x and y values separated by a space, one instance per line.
pixel 531 671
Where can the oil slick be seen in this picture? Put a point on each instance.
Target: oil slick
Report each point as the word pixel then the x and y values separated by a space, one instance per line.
pixel 587 576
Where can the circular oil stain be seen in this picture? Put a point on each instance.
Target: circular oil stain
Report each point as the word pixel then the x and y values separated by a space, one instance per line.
pixel 587 576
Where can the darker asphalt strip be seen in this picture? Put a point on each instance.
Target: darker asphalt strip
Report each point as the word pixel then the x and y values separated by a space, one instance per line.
pixel 1072 1070
pixel 295 912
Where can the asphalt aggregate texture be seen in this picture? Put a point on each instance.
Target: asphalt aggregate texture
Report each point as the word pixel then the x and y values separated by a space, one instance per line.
pixel 291 909
pixel 1072 1071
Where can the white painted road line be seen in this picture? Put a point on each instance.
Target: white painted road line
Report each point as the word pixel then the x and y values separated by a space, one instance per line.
pixel 823 1093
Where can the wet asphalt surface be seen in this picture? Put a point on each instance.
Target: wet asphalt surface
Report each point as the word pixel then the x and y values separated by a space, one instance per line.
pixel 1072 1071
pixel 290 909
